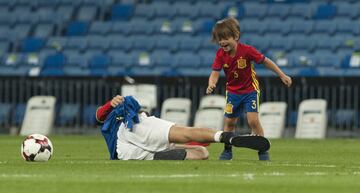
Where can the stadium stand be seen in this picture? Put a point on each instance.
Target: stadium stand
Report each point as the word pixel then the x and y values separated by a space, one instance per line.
pixel 116 38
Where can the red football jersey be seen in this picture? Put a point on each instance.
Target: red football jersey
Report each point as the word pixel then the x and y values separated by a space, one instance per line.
pixel 239 70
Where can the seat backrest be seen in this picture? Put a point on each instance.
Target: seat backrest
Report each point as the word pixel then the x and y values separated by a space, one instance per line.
pixel 272 118
pixel 212 102
pixel 209 118
pixel 142 92
pixel 177 110
pixel 39 115
pixel 312 119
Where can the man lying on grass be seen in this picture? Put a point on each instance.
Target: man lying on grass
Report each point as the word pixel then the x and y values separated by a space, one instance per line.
pixel 133 135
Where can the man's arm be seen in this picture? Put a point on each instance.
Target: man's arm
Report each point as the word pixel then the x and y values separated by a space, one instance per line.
pixel 213 79
pixel 103 111
pixel 273 67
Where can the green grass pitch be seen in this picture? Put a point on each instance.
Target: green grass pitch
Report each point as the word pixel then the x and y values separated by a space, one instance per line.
pixel 80 164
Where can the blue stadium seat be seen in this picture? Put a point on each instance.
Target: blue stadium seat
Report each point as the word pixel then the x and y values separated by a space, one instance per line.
pixel 278 11
pixel 324 42
pixel 209 9
pixel 21 31
pixel 65 12
pixel 7 19
pixel 344 117
pixel 186 59
pixel 77 28
pixel 278 27
pixel 206 44
pixel 303 42
pixel 141 26
pixel 300 10
pixel 76 65
pixel 144 43
pixel 329 59
pixel 254 26
pixel 100 28
pixel 122 12
pixel 347 10
pixel 32 44
pixel 99 43
pixel 190 43
pixel 69 113
pixel 186 9
pixel 56 60
pixel 53 65
pixel 163 43
pixel 19 113
pixel 88 115
pixel 5 112
pixel 162 58
pixel 164 10
pixel 145 11
pixel 292 119
pixel 280 43
pixel 98 64
pixel 255 10
pixel 76 43
pixel 206 58
pixel 345 26
pixel 87 13
pixel 4 47
pixel 120 42
pixel 48 16
pixel 123 28
pixel 325 27
pixel 43 30
pixel 262 43
pixel 24 15
pixel 204 26
pixel 325 11
pixel 302 27
pixel 121 59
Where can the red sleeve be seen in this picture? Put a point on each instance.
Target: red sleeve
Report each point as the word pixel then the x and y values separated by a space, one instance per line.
pixel 217 65
pixel 255 55
pixel 103 111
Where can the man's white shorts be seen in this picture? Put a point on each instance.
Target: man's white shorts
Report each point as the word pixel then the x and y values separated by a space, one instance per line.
pixel 149 136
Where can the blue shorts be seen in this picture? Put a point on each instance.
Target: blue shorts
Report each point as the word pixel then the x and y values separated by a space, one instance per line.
pixel 236 102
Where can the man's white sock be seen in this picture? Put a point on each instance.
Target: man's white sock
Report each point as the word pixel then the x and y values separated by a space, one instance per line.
pixel 217 136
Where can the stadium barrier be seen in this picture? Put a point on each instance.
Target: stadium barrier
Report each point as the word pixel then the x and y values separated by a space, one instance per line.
pixel 85 94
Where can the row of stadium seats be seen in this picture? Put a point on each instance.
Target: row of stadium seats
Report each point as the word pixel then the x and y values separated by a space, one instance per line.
pixel 88 11
pixel 158 62
pixel 336 27
pixel 181 43
pixel 72 114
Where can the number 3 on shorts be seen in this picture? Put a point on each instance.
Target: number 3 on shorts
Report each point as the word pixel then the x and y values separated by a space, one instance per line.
pixel 253 106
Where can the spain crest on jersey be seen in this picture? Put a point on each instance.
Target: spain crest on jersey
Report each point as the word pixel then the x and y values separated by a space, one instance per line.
pixel 241 63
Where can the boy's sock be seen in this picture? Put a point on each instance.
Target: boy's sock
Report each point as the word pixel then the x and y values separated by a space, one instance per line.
pixel 225 137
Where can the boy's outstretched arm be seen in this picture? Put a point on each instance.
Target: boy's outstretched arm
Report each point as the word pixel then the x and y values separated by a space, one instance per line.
pixel 213 79
pixel 103 111
pixel 268 63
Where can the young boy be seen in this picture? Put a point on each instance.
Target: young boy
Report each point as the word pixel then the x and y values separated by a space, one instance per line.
pixel 242 86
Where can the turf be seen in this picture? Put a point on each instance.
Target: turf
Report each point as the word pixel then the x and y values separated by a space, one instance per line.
pixel 80 164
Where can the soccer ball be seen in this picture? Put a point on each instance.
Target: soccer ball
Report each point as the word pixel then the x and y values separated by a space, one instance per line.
pixel 36 147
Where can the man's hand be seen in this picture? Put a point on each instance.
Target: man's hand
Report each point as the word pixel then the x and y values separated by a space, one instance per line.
pixel 286 80
pixel 210 88
pixel 117 100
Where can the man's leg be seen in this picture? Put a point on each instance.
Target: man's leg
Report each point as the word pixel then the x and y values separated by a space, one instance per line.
pixel 256 129
pixel 229 126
